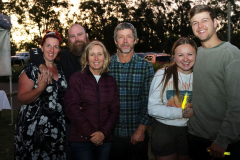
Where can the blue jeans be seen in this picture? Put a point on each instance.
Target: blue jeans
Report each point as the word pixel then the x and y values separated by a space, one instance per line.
pixel 88 151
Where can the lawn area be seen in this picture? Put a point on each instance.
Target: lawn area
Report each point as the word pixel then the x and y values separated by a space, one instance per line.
pixel 7 134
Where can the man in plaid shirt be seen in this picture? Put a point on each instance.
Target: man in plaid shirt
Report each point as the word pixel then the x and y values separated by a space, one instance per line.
pixel 133 75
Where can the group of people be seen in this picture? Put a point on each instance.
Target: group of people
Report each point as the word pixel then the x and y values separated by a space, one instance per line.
pixel 83 104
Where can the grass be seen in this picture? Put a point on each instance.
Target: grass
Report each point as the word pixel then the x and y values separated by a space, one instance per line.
pixel 16 70
pixel 7 134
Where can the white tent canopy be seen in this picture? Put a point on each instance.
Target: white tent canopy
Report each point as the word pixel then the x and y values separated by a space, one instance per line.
pixel 5 48
pixel 5 52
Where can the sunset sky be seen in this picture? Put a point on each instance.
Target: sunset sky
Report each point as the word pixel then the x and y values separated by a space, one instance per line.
pixel 18 31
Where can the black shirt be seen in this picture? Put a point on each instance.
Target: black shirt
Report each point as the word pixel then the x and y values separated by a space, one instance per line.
pixel 69 62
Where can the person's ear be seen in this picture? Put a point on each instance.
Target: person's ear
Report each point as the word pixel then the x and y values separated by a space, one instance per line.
pixel 135 42
pixel 215 23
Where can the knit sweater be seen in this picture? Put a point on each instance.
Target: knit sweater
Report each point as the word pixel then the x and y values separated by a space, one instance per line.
pixel 216 98
pixel 168 112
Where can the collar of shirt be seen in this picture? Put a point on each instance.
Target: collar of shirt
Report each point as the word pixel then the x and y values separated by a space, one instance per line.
pixel 133 59
pixel 104 74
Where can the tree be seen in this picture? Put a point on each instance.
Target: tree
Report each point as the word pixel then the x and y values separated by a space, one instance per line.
pixel 221 10
pixel 144 21
pixel 27 46
pixel 40 15
pixel 159 26
pixel 100 20
pixel 14 48
pixel 44 13
pixel 159 23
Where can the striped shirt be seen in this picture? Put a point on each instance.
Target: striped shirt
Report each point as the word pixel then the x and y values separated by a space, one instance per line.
pixel 133 81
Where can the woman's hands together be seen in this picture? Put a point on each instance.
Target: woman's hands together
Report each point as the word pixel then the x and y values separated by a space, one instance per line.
pixel 42 79
pixel 45 71
pixel 97 138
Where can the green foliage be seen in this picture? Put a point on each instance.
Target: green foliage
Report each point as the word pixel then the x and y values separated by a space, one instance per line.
pixel 27 46
pixel 170 39
pixel 221 10
pixel 157 66
pixel 16 70
pixel 154 22
pixel 44 14
pixel 159 23
pixel 13 48
pixel 41 14
pixel 1 6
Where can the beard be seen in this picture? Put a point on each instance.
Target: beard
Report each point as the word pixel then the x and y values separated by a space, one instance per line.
pixel 78 47
pixel 125 50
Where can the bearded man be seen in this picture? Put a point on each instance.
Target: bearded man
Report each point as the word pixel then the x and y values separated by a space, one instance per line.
pixel 68 60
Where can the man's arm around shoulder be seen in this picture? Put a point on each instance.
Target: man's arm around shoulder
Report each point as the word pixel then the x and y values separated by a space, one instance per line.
pixel 36 56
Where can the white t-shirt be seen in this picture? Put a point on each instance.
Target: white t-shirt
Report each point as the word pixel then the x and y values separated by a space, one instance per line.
pixel 168 112
pixel 97 77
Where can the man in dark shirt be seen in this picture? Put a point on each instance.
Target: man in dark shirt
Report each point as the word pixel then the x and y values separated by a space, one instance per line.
pixel 69 60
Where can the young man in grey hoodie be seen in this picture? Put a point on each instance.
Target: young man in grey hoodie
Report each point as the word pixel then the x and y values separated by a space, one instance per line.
pixel 214 129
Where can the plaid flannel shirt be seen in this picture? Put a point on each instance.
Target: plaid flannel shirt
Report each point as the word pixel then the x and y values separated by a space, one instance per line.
pixel 133 81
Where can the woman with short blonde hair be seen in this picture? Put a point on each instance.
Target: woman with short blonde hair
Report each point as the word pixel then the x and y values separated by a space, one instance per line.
pixel 107 60
pixel 92 104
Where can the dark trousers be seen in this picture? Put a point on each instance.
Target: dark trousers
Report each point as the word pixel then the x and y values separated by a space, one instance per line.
pixel 123 149
pixel 68 149
pixel 88 151
pixel 197 149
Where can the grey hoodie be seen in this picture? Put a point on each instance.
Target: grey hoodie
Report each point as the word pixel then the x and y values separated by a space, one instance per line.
pixel 216 98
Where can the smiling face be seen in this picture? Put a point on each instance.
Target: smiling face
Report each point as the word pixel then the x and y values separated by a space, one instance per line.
pixel 77 33
pixel 77 39
pixel 203 27
pixel 125 41
pixel 96 59
pixel 184 58
pixel 50 49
